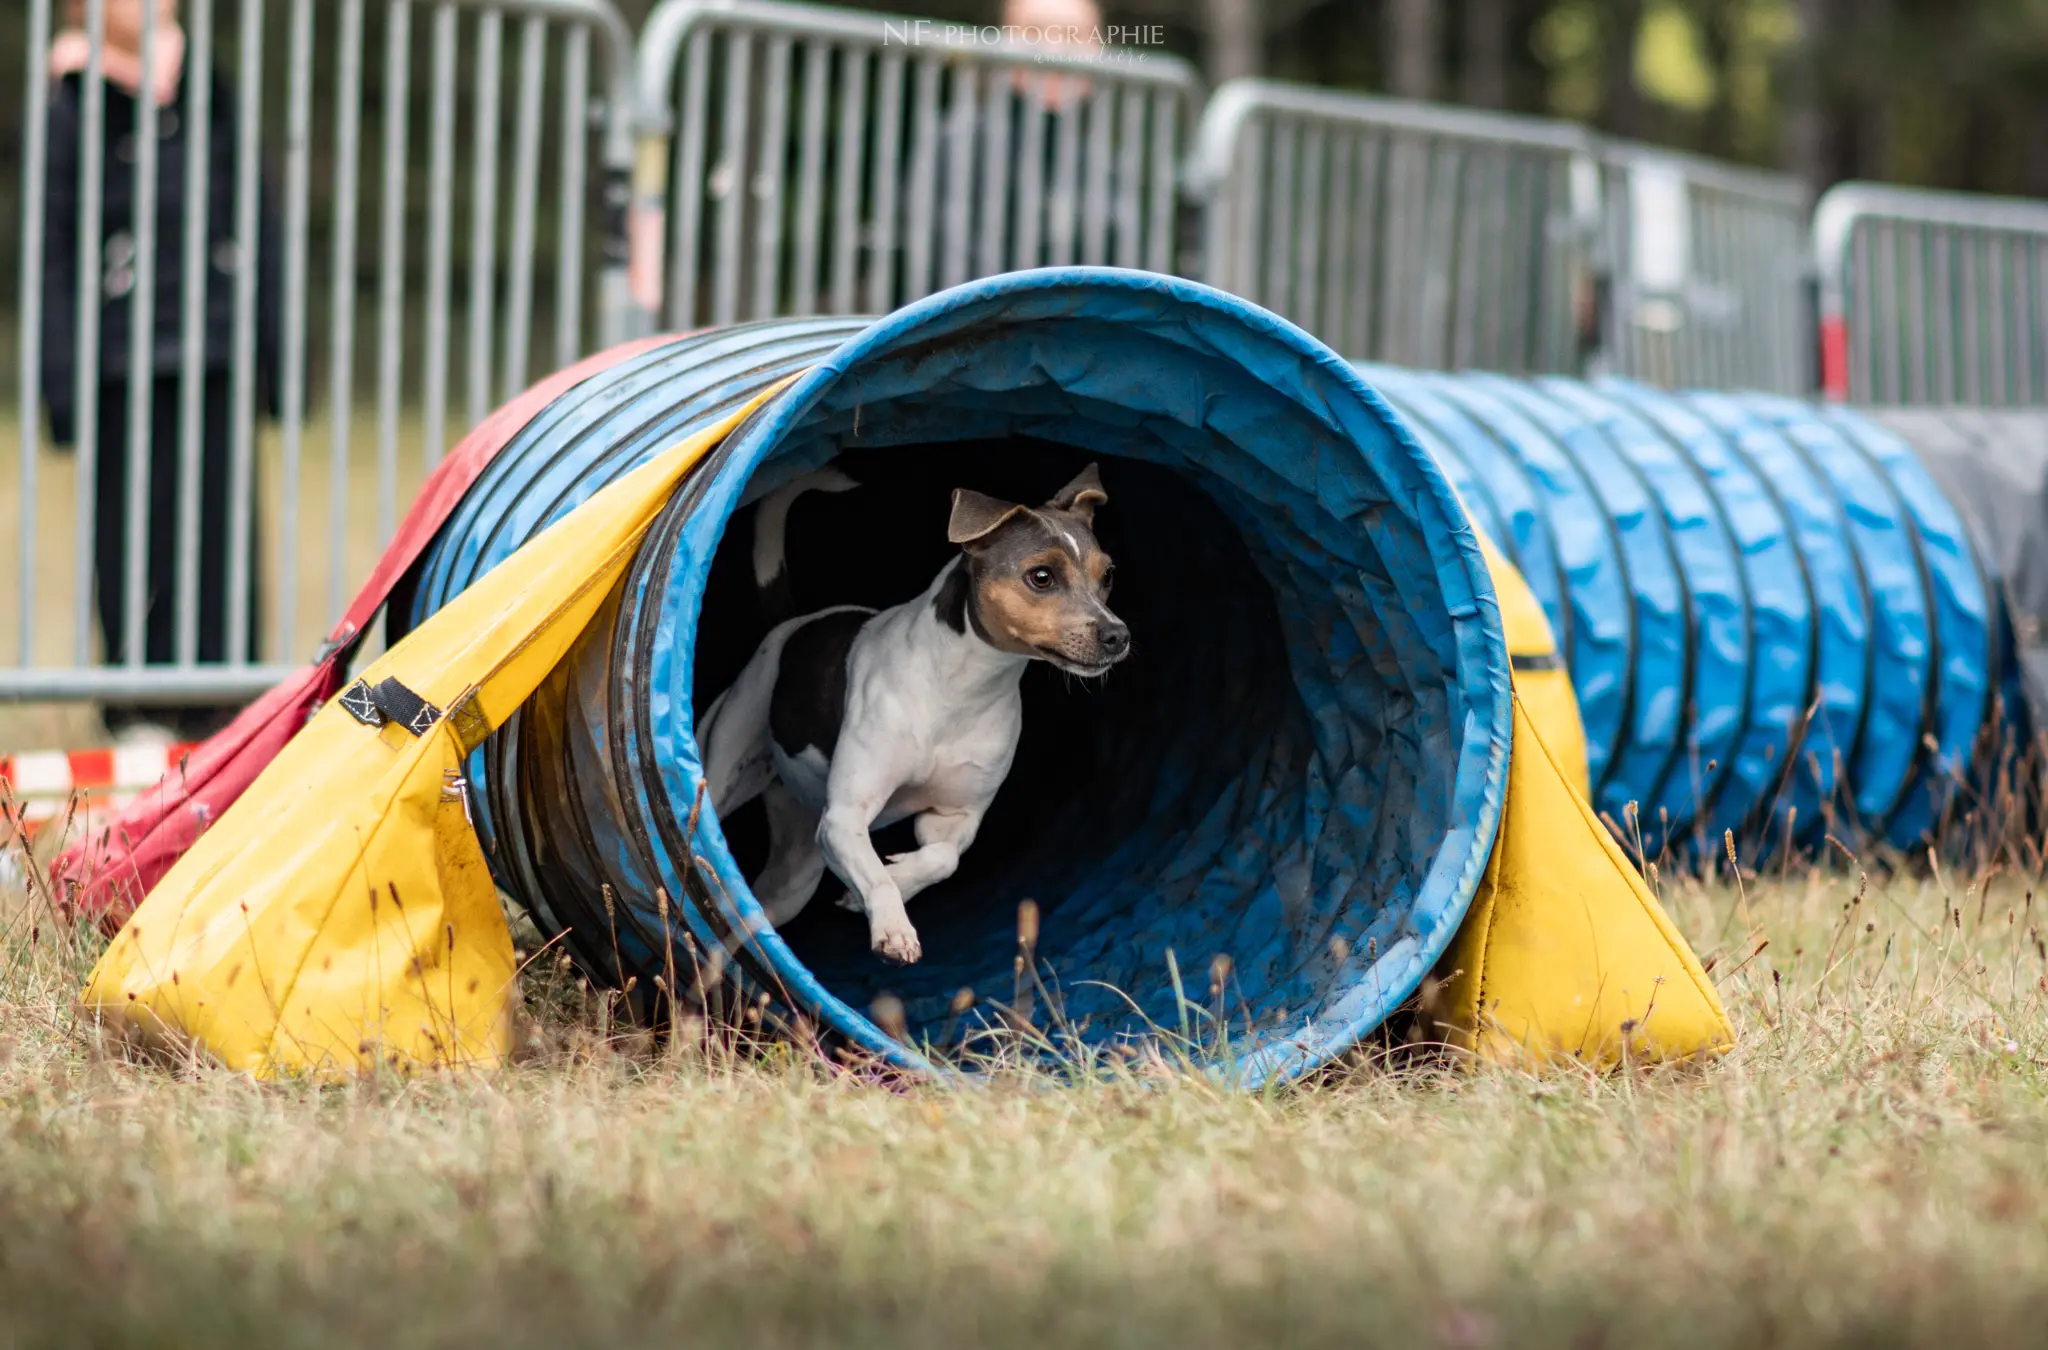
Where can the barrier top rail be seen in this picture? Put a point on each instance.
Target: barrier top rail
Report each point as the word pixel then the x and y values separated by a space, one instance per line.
pixel 673 21
pixel 1931 297
pixel 1236 102
pixel 1760 185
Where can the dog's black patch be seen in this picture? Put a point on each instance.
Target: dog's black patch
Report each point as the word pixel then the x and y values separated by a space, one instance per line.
pixel 810 686
pixel 951 602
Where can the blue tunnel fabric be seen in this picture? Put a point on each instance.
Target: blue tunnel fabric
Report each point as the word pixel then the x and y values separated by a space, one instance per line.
pixel 1968 650
pixel 1306 776
pixel 1587 595
pixel 1750 577
pixel 1846 654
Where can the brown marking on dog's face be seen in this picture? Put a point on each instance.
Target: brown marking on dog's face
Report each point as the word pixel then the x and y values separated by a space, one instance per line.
pixel 1038 581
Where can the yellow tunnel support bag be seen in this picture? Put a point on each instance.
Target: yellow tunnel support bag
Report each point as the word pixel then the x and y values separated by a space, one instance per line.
pixel 1564 953
pixel 340 914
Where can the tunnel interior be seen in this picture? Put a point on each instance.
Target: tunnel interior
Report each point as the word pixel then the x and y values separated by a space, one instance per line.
pixel 1112 778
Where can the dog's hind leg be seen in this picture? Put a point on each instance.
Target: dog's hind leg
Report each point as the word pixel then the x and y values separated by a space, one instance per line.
pixel 795 863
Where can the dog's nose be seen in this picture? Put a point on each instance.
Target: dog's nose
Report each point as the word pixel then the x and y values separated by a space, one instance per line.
pixel 1114 639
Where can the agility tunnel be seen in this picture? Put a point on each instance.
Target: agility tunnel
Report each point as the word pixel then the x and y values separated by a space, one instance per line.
pixel 1355 595
pixel 1778 625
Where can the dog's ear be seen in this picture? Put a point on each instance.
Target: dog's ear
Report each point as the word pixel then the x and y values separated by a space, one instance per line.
pixel 976 517
pixel 1081 496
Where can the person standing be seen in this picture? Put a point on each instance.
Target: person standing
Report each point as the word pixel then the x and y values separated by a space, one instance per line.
pixel 168 81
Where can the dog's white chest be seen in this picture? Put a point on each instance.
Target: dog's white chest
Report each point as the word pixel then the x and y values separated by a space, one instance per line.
pixel 942 744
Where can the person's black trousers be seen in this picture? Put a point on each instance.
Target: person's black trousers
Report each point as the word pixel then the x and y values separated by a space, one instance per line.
pixel 163 573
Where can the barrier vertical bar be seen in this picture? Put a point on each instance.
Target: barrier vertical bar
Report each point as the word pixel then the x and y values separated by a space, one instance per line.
pixel 2026 318
pixel 440 228
pixel 1031 170
pixel 34 205
pixel 533 68
pixel 1095 193
pixel 1343 153
pixel 1992 256
pixel 961 132
pixel 996 172
pixel 249 251
pixel 1969 339
pixel 764 186
pixel 810 177
pixel 1365 265
pixel 391 287
pixel 1885 310
pixel 882 188
pixel 575 169
pixel 686 196
pixel 298 167
pixel 91 183
pixel 1938 315
pixel 732 176
pixel 348 132
pixel 483 212
pixel 1065 198
pixel 1165 180
pixel 846 204
pixel 921 219
pixel 1130 179
pixel 141 357
pixel 1283 186
pixel 1312 173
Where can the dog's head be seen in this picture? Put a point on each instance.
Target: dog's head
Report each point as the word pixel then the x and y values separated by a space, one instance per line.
pixel 1037 582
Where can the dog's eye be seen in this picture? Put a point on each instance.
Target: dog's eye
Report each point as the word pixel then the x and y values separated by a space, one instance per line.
pixel 1040 578
pixel 1108 578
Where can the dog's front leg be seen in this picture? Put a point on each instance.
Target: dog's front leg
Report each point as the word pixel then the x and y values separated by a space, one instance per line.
pixel 851 807
pixel 942 836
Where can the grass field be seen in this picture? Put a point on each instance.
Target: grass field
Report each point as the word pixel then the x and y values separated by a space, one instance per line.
pixel 1870 1167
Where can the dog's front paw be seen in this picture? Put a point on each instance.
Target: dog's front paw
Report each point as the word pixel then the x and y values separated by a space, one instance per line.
pixel 897 942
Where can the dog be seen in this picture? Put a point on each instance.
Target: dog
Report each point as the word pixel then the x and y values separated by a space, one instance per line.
pixel 849 719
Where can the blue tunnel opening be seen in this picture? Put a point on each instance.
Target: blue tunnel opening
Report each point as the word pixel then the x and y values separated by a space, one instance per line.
pixel 1301 767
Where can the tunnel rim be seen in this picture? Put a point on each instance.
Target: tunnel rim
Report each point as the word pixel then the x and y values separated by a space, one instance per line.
pixel 1317 380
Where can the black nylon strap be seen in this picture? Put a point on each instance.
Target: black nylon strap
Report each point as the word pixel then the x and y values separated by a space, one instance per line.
pixel 389 701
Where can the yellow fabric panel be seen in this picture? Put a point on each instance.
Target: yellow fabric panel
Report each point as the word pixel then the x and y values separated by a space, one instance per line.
pixel 1547 692
pixel 1565 952
pixel 340 913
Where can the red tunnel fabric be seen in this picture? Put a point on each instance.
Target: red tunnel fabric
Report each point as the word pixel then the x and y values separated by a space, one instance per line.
pixel 106 874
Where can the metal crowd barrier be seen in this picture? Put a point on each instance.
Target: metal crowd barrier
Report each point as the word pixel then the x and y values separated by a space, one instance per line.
pixel 1932 297
pixel 802 160
pixel 304 103
pixel 758 159
pixel 1401 232
pixel 1708 273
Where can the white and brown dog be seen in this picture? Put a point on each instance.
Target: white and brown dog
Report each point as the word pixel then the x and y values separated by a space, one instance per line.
pixel 848 719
